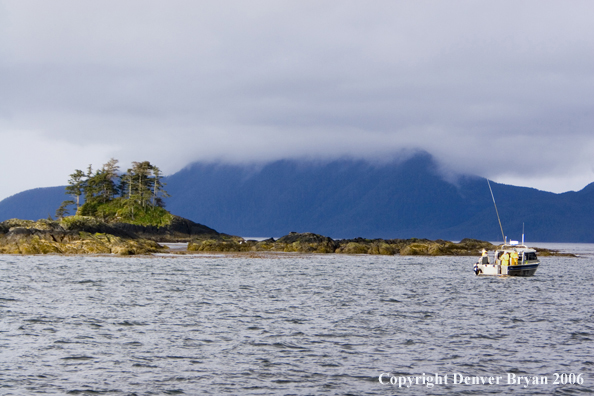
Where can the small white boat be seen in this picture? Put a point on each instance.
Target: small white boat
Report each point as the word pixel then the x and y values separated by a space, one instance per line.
pixel 509 259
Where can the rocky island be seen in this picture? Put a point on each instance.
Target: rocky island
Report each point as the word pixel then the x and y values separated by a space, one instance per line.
pixel 89 235
pixel 115 213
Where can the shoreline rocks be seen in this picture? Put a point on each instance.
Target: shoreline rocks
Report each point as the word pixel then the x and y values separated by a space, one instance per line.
pixel 179 230
pixel 89 235
pixel 314 243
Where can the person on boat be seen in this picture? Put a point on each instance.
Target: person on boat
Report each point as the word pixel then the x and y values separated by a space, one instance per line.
pixel 514 258
pixel 484 258
pixel 505 259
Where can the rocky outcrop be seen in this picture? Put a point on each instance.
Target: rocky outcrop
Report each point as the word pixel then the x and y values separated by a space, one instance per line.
pixel 179 230
pixel 70 236
pixel 313 243
pixel 306 242
pixel 88 235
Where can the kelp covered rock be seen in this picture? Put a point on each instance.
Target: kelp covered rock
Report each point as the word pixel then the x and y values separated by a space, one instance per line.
pixel 314 243
pixel 69 236
pixel 219 243
pixel 305 243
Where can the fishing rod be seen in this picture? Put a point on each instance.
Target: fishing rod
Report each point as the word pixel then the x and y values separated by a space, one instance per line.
pixel 496 211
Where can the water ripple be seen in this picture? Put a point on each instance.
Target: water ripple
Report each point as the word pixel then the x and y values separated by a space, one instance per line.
pixel 311 324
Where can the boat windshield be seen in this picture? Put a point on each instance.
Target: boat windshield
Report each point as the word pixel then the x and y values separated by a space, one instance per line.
pixel 530 256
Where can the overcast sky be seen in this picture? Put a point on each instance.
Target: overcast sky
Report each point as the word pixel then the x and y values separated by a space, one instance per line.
pixel 501 89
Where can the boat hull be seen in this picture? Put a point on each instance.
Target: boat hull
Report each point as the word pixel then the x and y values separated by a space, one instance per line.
pixel 505 270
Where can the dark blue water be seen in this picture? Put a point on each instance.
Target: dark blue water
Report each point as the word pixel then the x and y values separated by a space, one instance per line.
pixel 294 325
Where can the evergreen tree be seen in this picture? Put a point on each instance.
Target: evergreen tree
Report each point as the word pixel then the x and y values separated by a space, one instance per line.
pixel 124 185
pixel 158 188
pixel 62 211
pixel 76 185
pixel 110 195
pixel 142 182
pixel 106 180
pixel 91 186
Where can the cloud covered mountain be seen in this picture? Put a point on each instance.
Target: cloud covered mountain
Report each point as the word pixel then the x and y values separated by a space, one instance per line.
pixel 351 198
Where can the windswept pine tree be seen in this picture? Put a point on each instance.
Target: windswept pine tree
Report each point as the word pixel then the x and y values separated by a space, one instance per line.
pixel 136 196
pixel 76 186
pixel 158 188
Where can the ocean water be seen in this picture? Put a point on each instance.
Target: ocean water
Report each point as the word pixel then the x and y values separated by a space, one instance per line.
pixel 579 249
pixel 292 325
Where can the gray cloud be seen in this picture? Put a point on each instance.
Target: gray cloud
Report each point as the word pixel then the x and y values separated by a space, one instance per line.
pixel 503 89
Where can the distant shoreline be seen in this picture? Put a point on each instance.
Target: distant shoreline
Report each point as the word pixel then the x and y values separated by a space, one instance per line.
pixel 82 235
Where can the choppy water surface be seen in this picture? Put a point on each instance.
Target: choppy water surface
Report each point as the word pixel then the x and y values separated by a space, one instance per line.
pixel 319 324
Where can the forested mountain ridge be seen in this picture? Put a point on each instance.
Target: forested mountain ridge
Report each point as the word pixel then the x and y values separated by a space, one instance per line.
pixel 351 198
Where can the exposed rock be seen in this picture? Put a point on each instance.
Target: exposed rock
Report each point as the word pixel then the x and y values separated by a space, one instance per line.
pixel 306 243
pixel 179 230
pixel 220 243
pixel 88 235
pixel 314 243
pixel 74 236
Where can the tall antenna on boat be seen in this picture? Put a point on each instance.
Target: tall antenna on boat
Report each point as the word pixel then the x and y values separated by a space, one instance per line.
pixel 496 211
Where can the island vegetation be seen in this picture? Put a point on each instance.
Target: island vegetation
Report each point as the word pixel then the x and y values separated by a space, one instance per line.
pixel 133 197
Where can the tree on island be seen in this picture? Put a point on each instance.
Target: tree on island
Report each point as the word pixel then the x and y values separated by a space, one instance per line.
pixel 136 196
pixel 76 186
